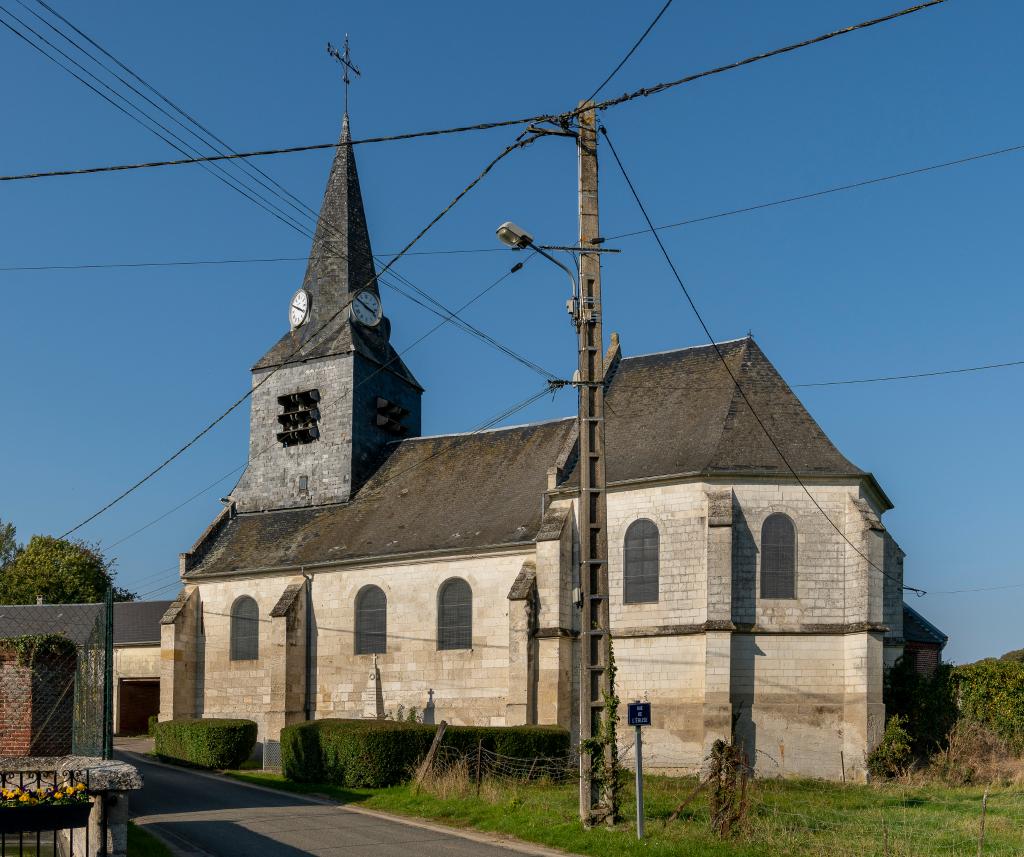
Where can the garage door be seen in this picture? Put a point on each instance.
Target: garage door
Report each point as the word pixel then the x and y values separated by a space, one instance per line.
pixel 138 700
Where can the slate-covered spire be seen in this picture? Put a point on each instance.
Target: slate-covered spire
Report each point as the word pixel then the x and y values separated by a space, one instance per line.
pixel 340 264
pixel 340 259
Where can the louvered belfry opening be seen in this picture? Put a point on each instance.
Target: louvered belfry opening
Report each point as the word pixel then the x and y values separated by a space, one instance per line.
pixel 640 562
pixel 299 417
pixel 455 615
pixel 245 629
pixel 778 557
pixel 371 621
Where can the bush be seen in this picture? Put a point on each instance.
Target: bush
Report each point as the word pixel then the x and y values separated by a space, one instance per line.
pixel 991 693
pixel 210 743
pixel 379 753
pixel 893 755
pixel 925 703
pixel 151 728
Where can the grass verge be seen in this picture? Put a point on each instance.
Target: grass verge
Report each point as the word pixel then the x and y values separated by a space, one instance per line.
pixel 791 817
pixel 144 844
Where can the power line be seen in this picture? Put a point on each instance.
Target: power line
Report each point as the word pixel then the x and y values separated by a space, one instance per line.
pixel 975 589
pixel 302 208
pixel 916 375
pixel 679 223
pixel 735 381
pixel 487 424
pixel 632 50
pixel 554 118
pixel 335 403
pixel 284 195
pixel 812 194
pixel 168 136
pixel 519 143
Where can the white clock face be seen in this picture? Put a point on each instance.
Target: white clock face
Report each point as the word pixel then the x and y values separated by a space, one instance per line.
pixel 298 310
pixel 366 308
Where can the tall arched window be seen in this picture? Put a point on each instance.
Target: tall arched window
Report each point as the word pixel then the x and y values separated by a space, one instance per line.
pixel 371 621
pixel 778 557
pixel 245 629
pixel 455 615
pixel 640 563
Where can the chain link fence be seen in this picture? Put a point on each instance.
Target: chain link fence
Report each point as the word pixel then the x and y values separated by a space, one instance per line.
pixel 56 679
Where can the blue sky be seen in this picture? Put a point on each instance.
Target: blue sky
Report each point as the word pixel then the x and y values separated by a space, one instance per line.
pixel 109 370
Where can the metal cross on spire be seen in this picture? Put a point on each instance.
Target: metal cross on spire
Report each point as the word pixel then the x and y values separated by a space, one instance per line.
pixel 345 59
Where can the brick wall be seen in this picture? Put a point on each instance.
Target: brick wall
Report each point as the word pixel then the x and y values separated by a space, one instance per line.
pixel 36 705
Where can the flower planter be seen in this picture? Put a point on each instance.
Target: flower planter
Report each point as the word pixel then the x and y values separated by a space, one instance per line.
pixel 44 817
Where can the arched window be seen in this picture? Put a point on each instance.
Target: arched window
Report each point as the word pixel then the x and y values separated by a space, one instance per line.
pixel 640 563
pixel 455 615
pixel 245 630
pixel 778 557
pixel 371 621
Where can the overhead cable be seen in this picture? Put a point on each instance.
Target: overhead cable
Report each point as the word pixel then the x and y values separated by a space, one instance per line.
pixel 733 377
pixel 554 118
pixel 517 144
pixel 632 50
pixel 335 403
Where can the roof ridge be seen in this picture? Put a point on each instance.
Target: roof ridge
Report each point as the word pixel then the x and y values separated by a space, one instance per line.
pixel 688 348
pixel 485 431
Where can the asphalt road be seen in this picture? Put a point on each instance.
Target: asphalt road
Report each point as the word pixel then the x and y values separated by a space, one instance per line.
pixel 204 816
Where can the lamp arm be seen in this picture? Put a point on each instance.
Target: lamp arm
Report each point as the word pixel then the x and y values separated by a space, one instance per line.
pixel 552 259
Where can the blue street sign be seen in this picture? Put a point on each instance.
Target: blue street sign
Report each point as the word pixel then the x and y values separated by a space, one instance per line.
pixel 639 714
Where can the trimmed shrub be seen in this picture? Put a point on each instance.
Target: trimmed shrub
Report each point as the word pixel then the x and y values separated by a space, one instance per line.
pixel 151 728
pixel 379 753
pixel 210 743
pixel 369 753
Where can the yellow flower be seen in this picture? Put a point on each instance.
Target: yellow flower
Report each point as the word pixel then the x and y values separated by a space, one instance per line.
pixel 24 798
pixel 80 787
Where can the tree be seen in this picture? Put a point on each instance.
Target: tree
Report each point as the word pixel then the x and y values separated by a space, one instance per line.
pixel 1015 655
pixel 61 571
pixel 8 544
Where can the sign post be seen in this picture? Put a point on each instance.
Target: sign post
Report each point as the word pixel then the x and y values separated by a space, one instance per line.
pixel 639 716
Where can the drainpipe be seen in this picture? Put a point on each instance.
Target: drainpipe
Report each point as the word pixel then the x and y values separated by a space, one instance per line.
pixel 309 644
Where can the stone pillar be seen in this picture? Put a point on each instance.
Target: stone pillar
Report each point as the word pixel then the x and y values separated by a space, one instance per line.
pixel 718 624
pixel 863 709
pixel 179 662
pixel 521 702
pixel 554 618
pixel 287 647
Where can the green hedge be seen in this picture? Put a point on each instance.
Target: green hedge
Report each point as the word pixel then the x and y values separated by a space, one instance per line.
pixel 210 743
pixel 379 753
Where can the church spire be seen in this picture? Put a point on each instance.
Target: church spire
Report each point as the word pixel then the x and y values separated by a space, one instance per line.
pixel 341 258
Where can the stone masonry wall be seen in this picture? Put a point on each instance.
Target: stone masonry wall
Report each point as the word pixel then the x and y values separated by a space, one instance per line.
pixel 272 478
pixel 469 686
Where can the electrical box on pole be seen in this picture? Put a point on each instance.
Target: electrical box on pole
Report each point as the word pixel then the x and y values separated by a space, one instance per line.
pixel 596 798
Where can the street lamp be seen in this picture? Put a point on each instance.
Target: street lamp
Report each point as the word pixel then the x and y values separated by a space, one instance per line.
pixel 519 239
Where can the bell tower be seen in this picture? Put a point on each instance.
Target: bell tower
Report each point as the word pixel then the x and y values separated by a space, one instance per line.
pixel 332 393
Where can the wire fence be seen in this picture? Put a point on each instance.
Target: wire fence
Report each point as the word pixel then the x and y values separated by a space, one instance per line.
pixel 774 814
pixel 55 679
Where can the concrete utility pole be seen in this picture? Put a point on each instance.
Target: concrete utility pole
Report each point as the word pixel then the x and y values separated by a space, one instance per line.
pixel 593 507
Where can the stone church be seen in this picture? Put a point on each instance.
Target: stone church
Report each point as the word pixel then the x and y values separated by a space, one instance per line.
pixel 358 567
